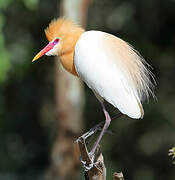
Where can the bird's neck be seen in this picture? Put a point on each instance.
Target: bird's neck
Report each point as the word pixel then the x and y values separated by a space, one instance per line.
pixel 67 60
pixel 67 57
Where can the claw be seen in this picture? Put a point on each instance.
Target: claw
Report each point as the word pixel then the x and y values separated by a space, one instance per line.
pixel 87 167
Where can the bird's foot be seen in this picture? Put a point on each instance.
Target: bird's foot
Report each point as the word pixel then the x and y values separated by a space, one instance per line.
pixel 87 167
pixel 96 128
pixel 99 127
pixel 88 159
pixel 93 130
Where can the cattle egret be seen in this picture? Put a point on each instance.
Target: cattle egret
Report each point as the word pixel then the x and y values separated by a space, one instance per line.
pixel 112 68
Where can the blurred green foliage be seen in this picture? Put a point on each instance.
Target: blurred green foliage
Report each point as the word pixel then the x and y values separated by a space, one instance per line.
pixel 4 57
pixel 138 148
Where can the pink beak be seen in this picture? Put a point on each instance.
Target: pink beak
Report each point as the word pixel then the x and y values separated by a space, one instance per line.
pixel 46 49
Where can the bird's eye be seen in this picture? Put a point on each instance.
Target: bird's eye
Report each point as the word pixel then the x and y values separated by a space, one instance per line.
pixel 56 40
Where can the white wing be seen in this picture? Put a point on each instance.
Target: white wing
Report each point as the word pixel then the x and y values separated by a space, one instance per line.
pixel 100 62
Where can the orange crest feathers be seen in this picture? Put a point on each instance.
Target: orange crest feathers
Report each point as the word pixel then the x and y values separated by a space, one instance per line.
pixel 62 27
pixel 69 33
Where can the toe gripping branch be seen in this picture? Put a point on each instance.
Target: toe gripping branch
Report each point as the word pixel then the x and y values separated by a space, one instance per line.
pixel 94 167
pixel 93 164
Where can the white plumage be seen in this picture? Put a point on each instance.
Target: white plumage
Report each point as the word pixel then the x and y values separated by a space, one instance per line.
pixel 111 68
pixel 107 64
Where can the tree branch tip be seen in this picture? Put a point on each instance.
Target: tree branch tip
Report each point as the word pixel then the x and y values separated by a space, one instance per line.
pixel 118 176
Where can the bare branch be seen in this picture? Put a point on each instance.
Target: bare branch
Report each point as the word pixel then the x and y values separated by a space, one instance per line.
pixel 118 176
pixel 94 166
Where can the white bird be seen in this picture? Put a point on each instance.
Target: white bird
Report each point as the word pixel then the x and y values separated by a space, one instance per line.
pixel 112 68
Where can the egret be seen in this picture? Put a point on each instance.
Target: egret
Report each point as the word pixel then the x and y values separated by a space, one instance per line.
pixel 110 67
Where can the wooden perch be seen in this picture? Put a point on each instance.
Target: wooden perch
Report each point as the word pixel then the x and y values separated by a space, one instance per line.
pixel 118 176
pixel 94 169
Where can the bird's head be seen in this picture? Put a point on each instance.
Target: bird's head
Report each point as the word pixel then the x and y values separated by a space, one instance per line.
pixel 62 35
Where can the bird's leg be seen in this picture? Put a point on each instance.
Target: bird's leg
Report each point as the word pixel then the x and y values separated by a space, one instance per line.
pixel 99 127
pixel 93 130
pixel 106 125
